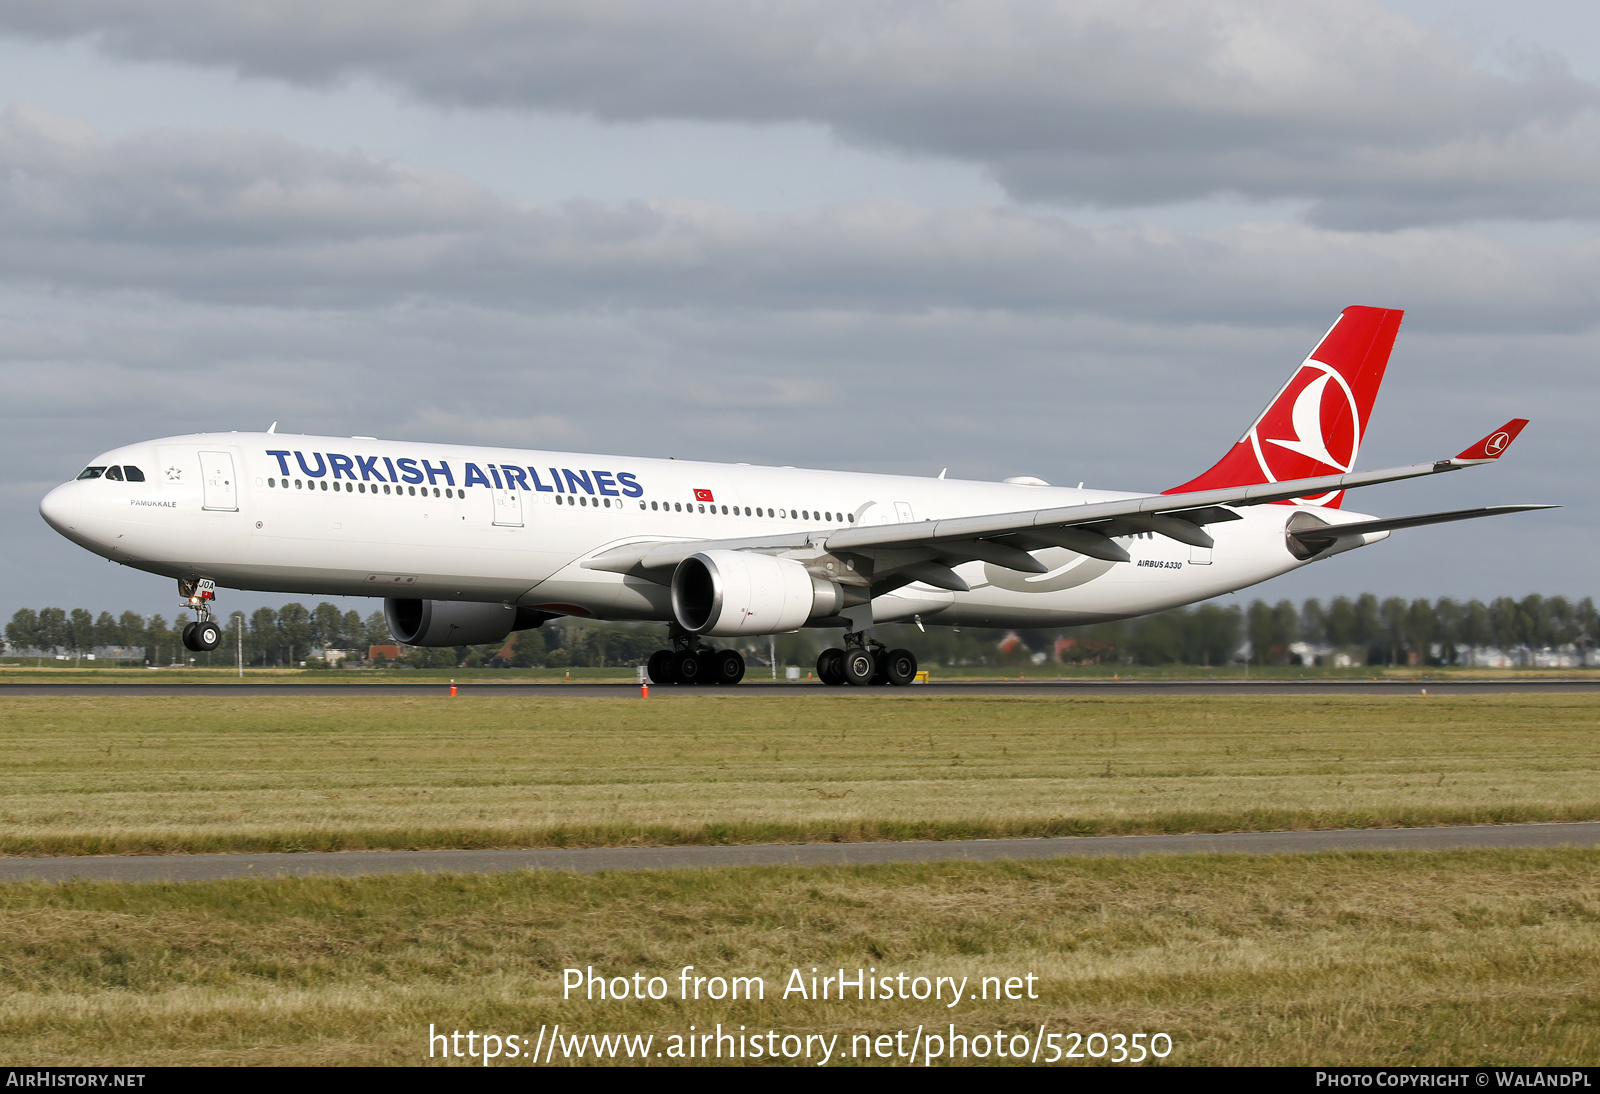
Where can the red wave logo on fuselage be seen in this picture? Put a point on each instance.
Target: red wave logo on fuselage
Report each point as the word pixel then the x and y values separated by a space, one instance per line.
pixel 1312 428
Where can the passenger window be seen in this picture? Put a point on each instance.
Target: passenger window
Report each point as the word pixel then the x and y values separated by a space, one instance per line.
pixel 412 490
pixel 91 472
pixel 435 491
pixel 298 485
pixel 652 505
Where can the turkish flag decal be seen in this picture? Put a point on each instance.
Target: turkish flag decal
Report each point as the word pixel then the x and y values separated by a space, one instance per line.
pixel 703 495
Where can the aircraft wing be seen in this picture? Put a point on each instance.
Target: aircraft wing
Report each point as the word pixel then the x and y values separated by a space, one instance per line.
pixel 929 550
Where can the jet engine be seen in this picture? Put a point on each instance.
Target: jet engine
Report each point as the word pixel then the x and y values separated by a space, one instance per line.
pixel 455 622
pixel 729 593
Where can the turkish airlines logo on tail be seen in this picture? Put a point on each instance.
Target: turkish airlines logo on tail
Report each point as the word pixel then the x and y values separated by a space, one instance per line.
pixel 1312 428
pixel 1497 443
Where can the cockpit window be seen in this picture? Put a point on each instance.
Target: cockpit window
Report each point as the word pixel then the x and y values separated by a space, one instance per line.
pixel 114 474
pixel 133 473
pixel 92 472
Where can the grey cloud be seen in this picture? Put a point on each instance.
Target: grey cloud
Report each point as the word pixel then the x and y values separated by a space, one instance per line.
pixel 240 217
pixel 1377 121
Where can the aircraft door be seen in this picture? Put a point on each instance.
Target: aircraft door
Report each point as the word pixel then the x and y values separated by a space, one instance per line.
pixel 507 508
pixel 218 484
pixel 902 512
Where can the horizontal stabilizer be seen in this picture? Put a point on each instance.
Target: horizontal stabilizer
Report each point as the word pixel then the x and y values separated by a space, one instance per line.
pixel 1318 536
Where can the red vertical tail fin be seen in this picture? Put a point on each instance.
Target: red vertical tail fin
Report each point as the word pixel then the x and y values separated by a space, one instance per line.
pixel 1314 425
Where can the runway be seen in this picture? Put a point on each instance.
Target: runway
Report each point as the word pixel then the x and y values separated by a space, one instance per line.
pixel 769 689
pixel 366 863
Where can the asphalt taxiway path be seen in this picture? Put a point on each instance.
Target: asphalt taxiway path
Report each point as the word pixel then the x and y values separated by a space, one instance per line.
pixel 366 863
pixel 769 689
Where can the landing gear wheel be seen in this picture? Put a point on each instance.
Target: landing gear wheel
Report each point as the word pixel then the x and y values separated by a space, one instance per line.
pixel 880 674
pixel 659 668
pixel 687 668
pixel 729 667
pixel 830 666
pixel 859 667
pixel 202 637
pixel 900 666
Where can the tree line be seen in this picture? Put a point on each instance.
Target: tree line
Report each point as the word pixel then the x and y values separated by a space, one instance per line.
pixel 293 633
pixel 285 635
pixel 1367 630
pixel 1363 628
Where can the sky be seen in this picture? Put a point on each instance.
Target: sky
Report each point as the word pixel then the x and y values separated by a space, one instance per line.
pixel 1082 241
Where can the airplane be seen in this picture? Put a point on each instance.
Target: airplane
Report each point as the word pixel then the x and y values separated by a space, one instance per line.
pixel 469 543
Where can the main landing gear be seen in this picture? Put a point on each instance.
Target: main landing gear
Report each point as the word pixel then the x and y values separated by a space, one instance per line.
pixel 203 635
pixel 688 662
pixel 865 661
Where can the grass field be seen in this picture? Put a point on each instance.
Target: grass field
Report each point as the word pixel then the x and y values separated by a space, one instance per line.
pixel 1465 958
pixel 44 670
pixel 132 775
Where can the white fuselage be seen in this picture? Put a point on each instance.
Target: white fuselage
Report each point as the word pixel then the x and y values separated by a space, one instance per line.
pixel 360 517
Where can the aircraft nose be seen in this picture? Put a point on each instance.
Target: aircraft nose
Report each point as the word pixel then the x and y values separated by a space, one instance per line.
pixel 60 507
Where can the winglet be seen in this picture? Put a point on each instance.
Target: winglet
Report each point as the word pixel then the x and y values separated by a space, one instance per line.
pixel 1495 444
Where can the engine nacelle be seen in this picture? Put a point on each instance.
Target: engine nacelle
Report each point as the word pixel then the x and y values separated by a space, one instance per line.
pixel 448 622
pixel 730 593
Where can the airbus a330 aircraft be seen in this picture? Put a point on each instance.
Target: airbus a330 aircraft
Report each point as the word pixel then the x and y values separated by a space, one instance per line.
pixel 467 543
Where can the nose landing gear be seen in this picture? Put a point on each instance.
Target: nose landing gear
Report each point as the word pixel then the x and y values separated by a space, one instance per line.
pixel 203 635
